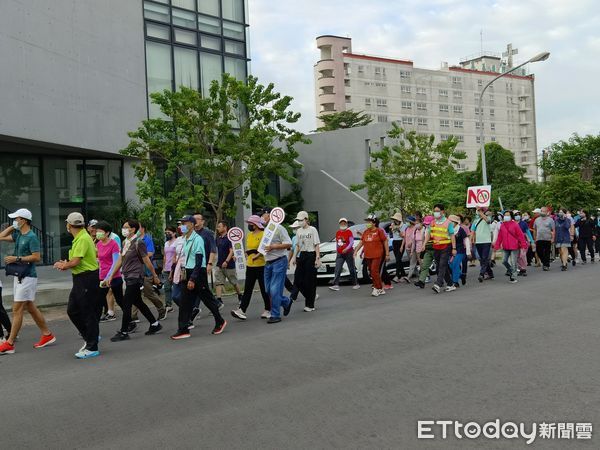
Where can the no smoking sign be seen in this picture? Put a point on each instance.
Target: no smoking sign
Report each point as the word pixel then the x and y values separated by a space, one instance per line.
pixel 235 234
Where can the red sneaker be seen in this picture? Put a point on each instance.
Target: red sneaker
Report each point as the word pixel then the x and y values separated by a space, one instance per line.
pixel 45 340
pixel 219 328
pixel 6 348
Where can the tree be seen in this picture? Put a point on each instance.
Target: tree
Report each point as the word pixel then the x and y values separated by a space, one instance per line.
pixel 213 151
pixel 569 191
pixel 406 175
pixel 579 155
pixel 344 119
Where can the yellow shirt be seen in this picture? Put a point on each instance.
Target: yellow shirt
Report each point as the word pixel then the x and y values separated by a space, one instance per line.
pixel 252 243
pixel 83 247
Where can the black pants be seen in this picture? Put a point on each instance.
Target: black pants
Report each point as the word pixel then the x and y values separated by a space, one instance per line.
pixel 254 274
pixel 543 249
pixel 484 252
pixel 188 301
pixel 400 272
pixel 133 296
pixel 117 288
pixel 84 301
pixel 4 320
pixel 386 279
pixel 442 257
pixel 306 277
pixel 586 243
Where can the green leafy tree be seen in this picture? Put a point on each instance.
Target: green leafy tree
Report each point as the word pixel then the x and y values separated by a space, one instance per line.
pixel 213 150
pixel 407 175
pixel 579 155
pixel 569 191
pixel 344 119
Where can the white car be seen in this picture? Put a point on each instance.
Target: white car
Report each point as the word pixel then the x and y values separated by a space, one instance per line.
pixel 329 254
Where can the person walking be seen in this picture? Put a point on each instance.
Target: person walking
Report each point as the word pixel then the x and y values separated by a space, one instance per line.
pixel 307 260
pixel 444 246
pixel 225 267
pixel 543 233
pixel 196 282
pixel 4 320
pixel 255 270
pixel 344 239
pixel 482 238
pixel 562 237
pixel 426 256
pixel 376 249
pixel 276 269
pixel 586 228
pixel 25 255
pixel 84 300
pixel 456 261
pixel 398 229
pixel 522 259
pixel 511 240
pixel 108 252
pixel 410 245
pixel 132 262
pixel 210 247
pixel 170 253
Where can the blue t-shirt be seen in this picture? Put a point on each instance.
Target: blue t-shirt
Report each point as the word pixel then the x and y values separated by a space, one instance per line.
pixel 223 247
pixel 150 249
pixel 26 245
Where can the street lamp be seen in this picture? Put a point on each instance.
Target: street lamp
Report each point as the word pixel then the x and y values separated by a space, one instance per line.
pixel 539 57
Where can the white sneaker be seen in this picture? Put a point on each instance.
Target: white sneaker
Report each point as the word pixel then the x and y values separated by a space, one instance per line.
pixel 356 286
pixel 375 293
pixel 335 287
pixel 307 309
pixel 450 288
pixel 436 288
pixel 85 354
pixel 238 314
pixel 382 291
pixel 265 315
pixel 82 347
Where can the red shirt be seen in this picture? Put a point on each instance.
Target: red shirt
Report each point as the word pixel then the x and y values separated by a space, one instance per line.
pixel 373 241
pixel 344 240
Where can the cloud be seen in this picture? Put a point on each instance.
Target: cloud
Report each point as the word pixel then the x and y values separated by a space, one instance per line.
pixel 283 47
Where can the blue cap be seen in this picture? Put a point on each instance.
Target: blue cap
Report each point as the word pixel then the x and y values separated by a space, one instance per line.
pixel 411 218
pixel 187 219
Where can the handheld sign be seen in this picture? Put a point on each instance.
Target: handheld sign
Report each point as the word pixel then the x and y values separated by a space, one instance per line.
pixel 479 196
pixel 236 236
pixel 277 216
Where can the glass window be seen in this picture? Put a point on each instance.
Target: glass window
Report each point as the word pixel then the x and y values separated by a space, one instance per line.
pixel 233 30
pixel 157 31
pixel 235 47
pixel 184 18
pixel 236 67
pixel 209 24
pixel 210 69
pixel 187 4
pixel 102 187
pixel 233 10
pixel 156 12
pixel 209 7
pixel 211 42
pixel 186 37
pixel 186 67
pixel 158 62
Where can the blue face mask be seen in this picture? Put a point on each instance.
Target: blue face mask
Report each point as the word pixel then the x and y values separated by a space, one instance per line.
pixel 184 229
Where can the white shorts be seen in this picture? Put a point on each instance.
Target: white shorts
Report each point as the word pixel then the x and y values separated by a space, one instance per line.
pixel 25 290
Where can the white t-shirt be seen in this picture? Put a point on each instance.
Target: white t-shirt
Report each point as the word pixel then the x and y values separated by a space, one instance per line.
pixel 308 238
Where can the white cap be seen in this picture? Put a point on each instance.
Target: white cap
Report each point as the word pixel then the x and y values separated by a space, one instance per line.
pixel 22 213
pixel 302 215
pixel 343 219
pixel 537 211
pixel 76 219
pixel 296 224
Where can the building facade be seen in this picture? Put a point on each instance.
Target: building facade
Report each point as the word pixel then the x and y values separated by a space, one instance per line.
pixel 77 79
pixel 440 102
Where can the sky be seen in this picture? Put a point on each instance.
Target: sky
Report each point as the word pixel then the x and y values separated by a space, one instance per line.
pixel 283 47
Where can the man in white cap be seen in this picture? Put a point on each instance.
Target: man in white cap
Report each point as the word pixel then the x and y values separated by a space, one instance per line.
pixel 26 254
pixel 307 259
pixel 345 254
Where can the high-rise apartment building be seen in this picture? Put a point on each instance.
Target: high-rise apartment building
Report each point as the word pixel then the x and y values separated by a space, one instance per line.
pixel 440 102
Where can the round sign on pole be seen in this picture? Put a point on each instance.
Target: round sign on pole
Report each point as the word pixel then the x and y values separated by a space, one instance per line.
pixel 235 234
pixel 277 215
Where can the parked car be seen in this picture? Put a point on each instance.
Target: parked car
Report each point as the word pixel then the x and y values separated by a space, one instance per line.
pixel 329 254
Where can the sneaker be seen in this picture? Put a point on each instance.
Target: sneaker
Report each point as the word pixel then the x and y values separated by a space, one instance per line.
pixel 218 329
pixel 85 354
pixel 180 335
pixel 45 340
pixel 83 347
pixel 546 269
pixel 195 313
pixel 563 268
pixel 382 292
pixel 574 263
pixel 110 317
pixel 480 279
pixel 287 309
pixel 162 315
pixel 388 286
pixel 420 284
pixel 170 309
pixel 436 288
pixel 265 315
pixel 103 317
pixel 428 279
pixel 463 279
pixel 132 327
pixel 513 280
pixel 6 348
pixel 356 286
pixel 191 326
pixel 335 287
pixel 135 320
pixel 307 309
pixel 274 320
pixel 450 288
pixel 238 314
pixel 120 336
pixel 153 329
pixel 375 293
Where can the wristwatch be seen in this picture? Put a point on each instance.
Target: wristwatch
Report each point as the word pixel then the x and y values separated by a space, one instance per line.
pixel 18 259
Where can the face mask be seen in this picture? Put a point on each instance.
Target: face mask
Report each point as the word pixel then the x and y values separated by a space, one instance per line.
pixel 543 214
pixel 343 227
pixel 561 214
pixel 251 227
pixel 168 236
pixel 507 218
pixel 569 216
pixel 100 235
pixel 125 232
pixel 437 214
pixel 517 217
pixel 369 225
pixel 184 229
pixel 525 217
pixel 16 225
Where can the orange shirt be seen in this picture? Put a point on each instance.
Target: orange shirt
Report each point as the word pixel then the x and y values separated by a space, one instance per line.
pixel 373 240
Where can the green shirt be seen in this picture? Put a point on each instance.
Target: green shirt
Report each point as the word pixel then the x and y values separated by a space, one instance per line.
pixel 83 247
pixel 192 246
pixel 483 232
pixel 26 245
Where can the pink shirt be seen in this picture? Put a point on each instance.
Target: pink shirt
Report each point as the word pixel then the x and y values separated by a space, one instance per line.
pixel 170 254
pixel 105 257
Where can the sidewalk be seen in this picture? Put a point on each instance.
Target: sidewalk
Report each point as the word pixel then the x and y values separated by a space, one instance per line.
pixel 53 287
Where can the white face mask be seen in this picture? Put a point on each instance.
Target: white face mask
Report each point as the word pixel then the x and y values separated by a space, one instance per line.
pixel 437 214
pixel 16 225
pixel 343 227
pixel 507 218
pixel 125 232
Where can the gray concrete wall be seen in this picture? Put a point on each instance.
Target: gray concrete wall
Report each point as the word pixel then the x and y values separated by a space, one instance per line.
pixel 344 155
pixel 73 72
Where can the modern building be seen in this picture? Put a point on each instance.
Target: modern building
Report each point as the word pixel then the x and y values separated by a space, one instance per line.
pixel 76 78
pixel 441 102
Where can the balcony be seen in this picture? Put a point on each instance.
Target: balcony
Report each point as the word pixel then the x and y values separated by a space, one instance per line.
pixel 326 64
pixel 327 107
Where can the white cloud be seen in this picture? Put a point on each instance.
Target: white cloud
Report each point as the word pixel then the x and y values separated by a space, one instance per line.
pixel 283 46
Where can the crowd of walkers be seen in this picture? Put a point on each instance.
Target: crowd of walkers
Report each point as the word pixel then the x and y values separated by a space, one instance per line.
pixel 439 248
